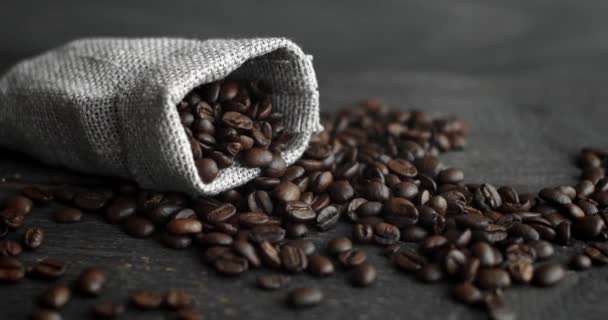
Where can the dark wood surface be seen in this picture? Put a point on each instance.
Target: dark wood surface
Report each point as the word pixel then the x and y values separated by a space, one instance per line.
pixel 528 75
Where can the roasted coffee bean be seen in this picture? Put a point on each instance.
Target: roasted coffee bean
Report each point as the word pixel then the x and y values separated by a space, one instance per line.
pixel 108 310
pixel 320 201
pixel 493 278
pixel 376 191
pixel 406 189
pixel 554 196
pixel 11 270
pixel 299 211
pixel 428 165
pixel 56 296
pixel 33 237
pixel 272 281
pixel 49 268
pixel 91 200
pixel 146 299
pixel 286 192
pixel 524 231
pixel 386 233
pixel 401 212
pixel 562 233
pixel 20 203
pixel 487 197
pixel 467 293
pixel 451 175
pixel 543 249
pixel 120 209
pixel 45 314
pixel 293 258
pixel 588 227
pixel 138 227
pixel 38 195
pixel 485 253
pixel 207 169
pixel 162 213
pixel 432 243
pixel 276 168
pixel 402 168
pixel 339 245
pixel 257 158
pixel 597 256
pixel 12 218
pixel 307 246
pixel 363 233
pixel 214 252
pixel 321 181
pixel 221 213
pixel 296 230
pixel 271 233
pixel 91 281
pixel 187 226
pixel 259 201
pixel 231 264
pixel 247 250
pixel 408 260
pixel 320 265
pixel 175 241
pixel 216 238
pixel 304 297
pixel 341 191
pixel 352 258
pixel 364 275
pixel 10 248
pixel 328 218
pixel 177 298
pixel 581 262
pixel 454 262
pixel 369 208
pixel 269 254
pixel 548 274
pixel 430 272
pixel 67 215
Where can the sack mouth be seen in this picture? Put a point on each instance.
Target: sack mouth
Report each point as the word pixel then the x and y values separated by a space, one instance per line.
pixel 278 61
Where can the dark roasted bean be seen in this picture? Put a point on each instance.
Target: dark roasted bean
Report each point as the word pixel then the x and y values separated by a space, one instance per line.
pixel 320 265
pixel 272 281
pixel 91 281
pixel 304 297
pixel 339 245
pixel 352 258
pixel 138 227
pixel 68 215
pixel 177 298
pixel 11 270
pixel 49 268
pixel 33 237
pixel 363 275
pixel 56 296
pixel 548 274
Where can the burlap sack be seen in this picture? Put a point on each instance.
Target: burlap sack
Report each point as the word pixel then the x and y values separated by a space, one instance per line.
pixel 107 106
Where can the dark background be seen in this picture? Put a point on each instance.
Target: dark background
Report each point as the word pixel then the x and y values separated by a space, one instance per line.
pixel 528 75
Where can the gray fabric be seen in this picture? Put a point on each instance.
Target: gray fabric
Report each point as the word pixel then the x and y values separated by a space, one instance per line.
pixel 107 106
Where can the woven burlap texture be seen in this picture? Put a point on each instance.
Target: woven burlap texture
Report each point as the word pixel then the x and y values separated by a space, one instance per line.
pixel 107 106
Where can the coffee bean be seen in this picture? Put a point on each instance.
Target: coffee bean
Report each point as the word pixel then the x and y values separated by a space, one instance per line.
pixel 352 258
pixel 49 268
pixel 187 226
pixel 272 281
pixel 430 272
pixel 12 218
pixel 408 260
pixel 320 265
pixel 549 274
pixel 68 215
pixel 146 299
pixel 296 230
pixel 216 238
pixel 467 293
pixel 524 231
pixel 107 310
pixel 341 191
pixel 413 234
pixel 487 197
pixel 299 211
pixel 259 201
pixel 231 264
pixel 269 254
pixel 45 314
pixel 189 314
pixel 401 212
pixel 56 296
pixel 177 298
pixel 554 196
pixel 286 192
pixel 91 281
pixel 91 200
pixel 276 168
pixel 339 245
pixel 38 195
pixel 120 209
pixel 493 278
pixel 175 241
pixel 307 246
pixel 597 256
pixel 363 233
pixel 11 270
pixel 451 175
pixel 20 203
pixel 328 218
pixel 562 233
pixel 10 248
pixel 207 169
pixel 33 237
pixel 543 249
pixel 363 275
pixel 293 258
pixel 432 243
pixel 271 233
pixel 257 158
pixel 588 227
pixel 386 233
pixel 402 168
pixel 247 250
pixel 304 297
pixel 138 227
pixel 581 262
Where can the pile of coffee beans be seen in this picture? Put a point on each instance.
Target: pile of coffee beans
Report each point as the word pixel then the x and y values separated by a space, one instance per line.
pixel 373 168
pixel 229 121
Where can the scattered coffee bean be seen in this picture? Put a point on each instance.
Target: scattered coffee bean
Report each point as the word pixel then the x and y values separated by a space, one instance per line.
pixel 339 245
pixel 11 270
pixel 56 296
pixel 49 268
pixel 304 297
pixel 68 215
pixel 107 310
pixel 548 274
pixel 10 248
pixel 45 314
pixel 363 275
pixel 320 265
pixel 272 281
pixel 91 281
pixel 178 298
